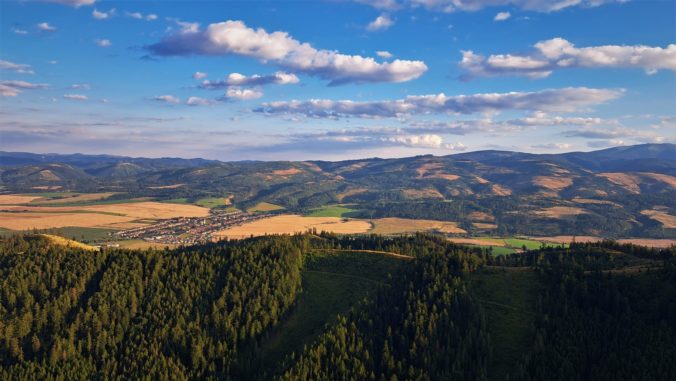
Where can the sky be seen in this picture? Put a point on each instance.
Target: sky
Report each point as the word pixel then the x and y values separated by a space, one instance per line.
pixel 335 79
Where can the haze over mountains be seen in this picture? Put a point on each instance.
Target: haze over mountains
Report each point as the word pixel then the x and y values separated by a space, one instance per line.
pixel 623 191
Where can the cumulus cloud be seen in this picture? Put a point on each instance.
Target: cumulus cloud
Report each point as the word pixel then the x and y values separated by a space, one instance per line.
pixel 425 141
pixel 197 101
pixel 167 99
pixel 45 27
pixel 558 53
pixel 234 37
pixel 384 54
pixel 448 6
pixel 76 97
pixel 237 79
pixel 103 15
pixel 552 100
pixel 81 86
pixel 14 88
pixel 502 16
pixel 103 43
pixel 19 31
pixel 381 22
pixel 242 94
pixel 199 75
pixel 72 3
pixel 16 67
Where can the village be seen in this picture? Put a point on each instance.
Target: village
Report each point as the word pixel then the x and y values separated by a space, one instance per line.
pixel 190 230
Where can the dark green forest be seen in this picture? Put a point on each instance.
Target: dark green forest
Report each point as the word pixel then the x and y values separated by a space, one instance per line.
pixel 328 307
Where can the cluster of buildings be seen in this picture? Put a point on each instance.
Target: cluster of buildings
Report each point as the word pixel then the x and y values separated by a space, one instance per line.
pixel 189 230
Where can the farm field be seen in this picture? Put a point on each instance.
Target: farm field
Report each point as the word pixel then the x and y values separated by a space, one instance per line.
pixel 214 202
pixel 291 223
pixel 331 211
pixel 264 207
pixel 393 225
pixel 118 215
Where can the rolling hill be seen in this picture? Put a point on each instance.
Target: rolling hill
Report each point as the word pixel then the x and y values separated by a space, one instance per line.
pixel 623 191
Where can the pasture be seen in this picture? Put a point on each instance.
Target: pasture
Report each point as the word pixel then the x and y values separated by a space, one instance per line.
pixel 331 211
pixel 392 225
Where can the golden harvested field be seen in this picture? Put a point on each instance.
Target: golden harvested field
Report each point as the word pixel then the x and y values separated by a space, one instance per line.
pixel 551 182
pixel 483 225
pixel 660 243
pixel 422 193
pixel 566 238
pixel 666 219
pixel 580 200
pixel 560 211
pixel 500 190
pixel 172 186
pixel 481 216
pixel 11 199
pixel 393 225
pixel 28 221
pixel 628 182
pixel 291 223
pixel 264 207
pixel 115 216
pixel 55 239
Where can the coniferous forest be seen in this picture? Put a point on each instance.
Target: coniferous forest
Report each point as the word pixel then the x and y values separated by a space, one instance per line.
pixel 421 311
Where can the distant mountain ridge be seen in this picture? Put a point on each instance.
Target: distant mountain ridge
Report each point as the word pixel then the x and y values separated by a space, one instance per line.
pixel 620 191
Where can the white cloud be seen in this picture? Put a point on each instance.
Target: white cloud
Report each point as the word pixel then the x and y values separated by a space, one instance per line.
pixel 72 3
pixel 103 43
pixel 381 22
pixel 140 16
pixel 76 97
pixel 241 94
pixel 14 88
pixel 234 37
pixel 558 53
pixel 424 141
pixel 197 101
pixel 237 79
pixel 502 16
pixel 553 146
pixel 102 15
pixel 448 6
pixel 45 27
pixel 15 67
pixel 384 54
pixel 552 100
pixel 81 86
pixel 199 75
pixel 19 31
pixel 167 99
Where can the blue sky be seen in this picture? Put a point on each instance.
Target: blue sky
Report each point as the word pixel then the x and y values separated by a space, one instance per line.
pixel 334 79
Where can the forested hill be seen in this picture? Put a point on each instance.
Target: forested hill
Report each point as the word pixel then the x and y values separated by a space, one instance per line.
pixel 326 307
pixel 617 192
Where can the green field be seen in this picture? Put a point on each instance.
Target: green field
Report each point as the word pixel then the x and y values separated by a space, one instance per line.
pixel 331 211
pixel 212 202
pixel 508 297
pixel 332 284
pixel 176 201
pixel 87 235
